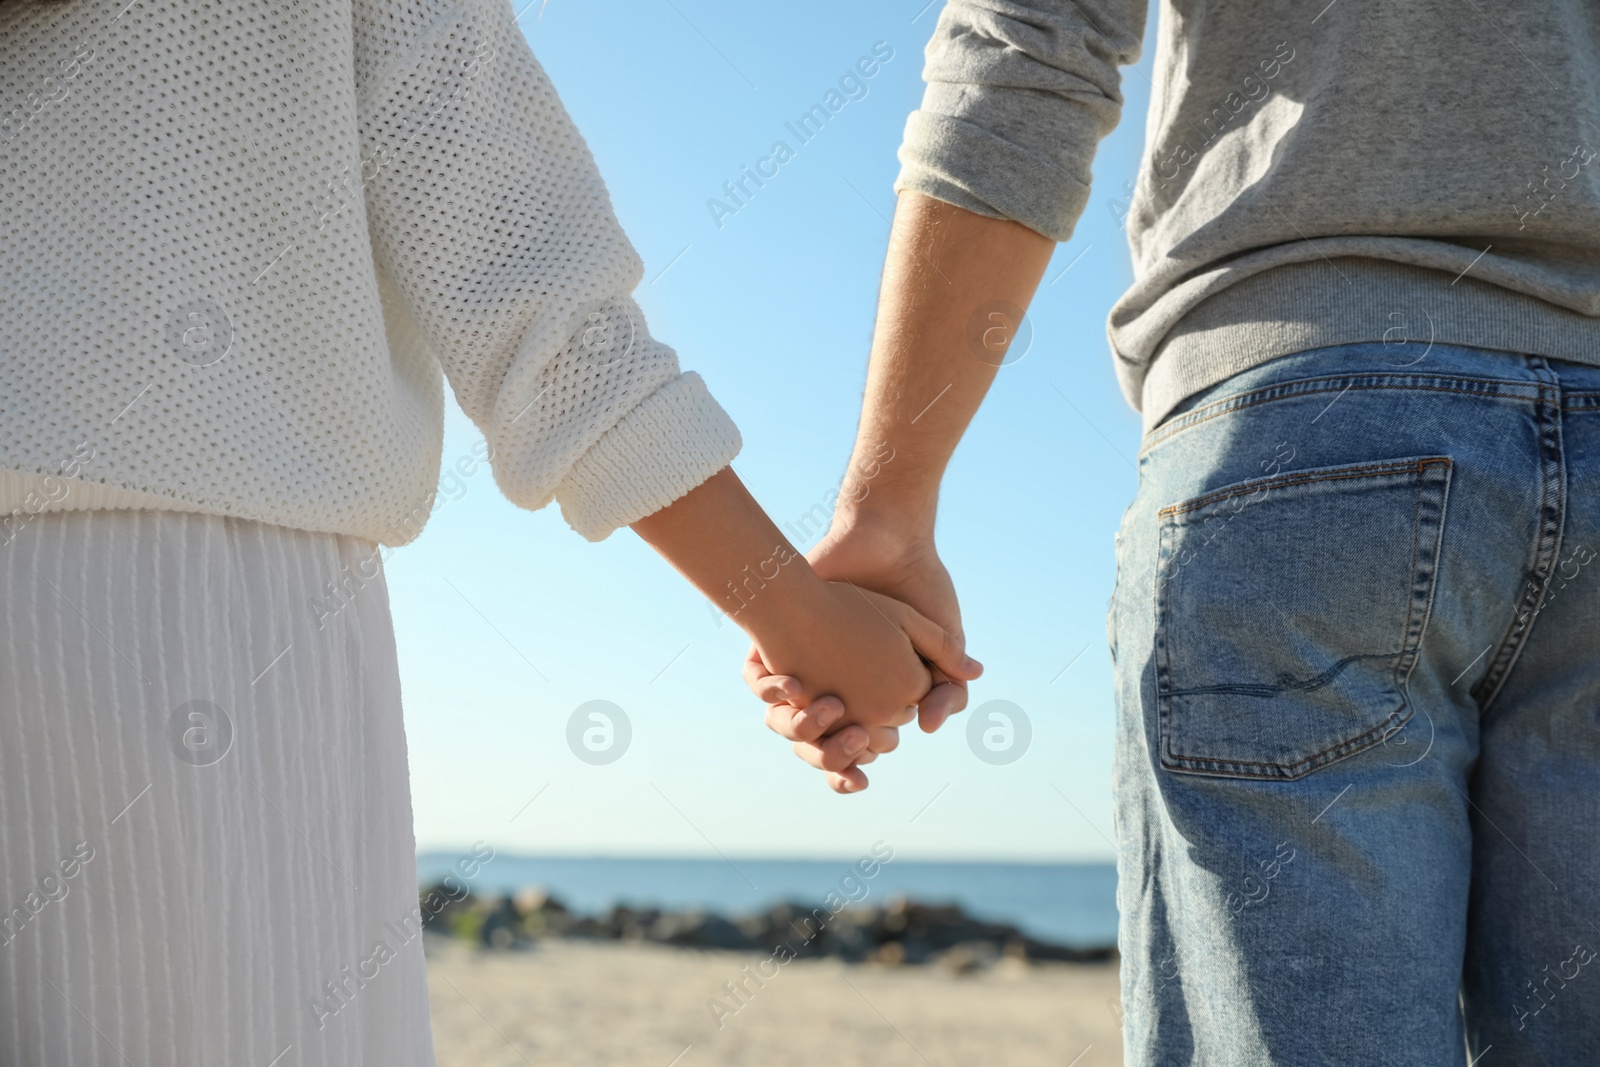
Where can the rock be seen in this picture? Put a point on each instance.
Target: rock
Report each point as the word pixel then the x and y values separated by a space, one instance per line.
pixel 890 954
pixel 443 907
pixel 502 927
pixel 1040 951
pixel 903 932
pixel 696 929
pixel 851 935
pixel 755 927
pixel 623 923
pixel 536 900
pixel 969 957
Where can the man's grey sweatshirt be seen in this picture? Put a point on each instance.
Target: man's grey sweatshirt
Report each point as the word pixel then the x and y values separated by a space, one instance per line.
pixel 1314 173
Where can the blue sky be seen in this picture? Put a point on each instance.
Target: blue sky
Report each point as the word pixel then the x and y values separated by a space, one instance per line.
pixel 507 621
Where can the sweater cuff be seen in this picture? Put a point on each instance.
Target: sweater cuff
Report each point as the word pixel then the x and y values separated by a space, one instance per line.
pixel 962 163
pixel 672 442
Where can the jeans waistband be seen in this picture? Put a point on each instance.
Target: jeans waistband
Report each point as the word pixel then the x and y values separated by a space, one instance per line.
pixel 1449 368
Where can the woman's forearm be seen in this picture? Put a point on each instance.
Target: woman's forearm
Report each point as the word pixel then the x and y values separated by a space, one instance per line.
pixel 955 285
pixel 718 537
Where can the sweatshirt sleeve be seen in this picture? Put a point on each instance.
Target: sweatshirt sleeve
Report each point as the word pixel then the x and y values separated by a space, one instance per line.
pixel 487 214
pixel 1019 94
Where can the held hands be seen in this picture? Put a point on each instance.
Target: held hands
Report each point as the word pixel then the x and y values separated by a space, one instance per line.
pixel 868 652
pixel 856 658
pixel 825 731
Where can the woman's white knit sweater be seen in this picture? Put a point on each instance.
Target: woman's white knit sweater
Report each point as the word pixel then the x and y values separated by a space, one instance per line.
pixel 241 240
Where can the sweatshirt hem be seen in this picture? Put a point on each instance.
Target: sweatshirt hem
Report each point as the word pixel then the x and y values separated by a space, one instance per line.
pixel 1320 303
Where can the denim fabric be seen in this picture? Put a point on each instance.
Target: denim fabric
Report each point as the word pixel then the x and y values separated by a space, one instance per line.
pixel 1357 642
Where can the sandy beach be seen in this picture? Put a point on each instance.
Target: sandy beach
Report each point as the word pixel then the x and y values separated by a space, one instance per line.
pixel 585 1003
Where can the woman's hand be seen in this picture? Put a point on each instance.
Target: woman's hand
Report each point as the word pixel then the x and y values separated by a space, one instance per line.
pixel 910 571
pixel 872 652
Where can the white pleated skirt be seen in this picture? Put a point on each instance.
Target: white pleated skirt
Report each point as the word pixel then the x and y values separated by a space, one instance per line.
pixel 206 851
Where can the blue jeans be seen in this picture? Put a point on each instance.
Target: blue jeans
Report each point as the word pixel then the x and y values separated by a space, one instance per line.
pixel 1356 632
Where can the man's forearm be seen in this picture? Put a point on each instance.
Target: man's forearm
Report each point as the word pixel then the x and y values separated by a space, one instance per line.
pixel 954 286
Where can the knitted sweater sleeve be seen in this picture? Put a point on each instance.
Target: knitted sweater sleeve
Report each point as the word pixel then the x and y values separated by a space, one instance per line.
pixel 1019 94
pixel 489 219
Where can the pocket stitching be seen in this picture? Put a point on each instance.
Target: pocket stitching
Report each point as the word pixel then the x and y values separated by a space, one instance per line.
pixel 1405 657
pixel 1279 481
pixel 1489 388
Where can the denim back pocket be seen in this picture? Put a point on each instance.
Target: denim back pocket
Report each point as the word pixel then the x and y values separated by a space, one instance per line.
pixel 1289 611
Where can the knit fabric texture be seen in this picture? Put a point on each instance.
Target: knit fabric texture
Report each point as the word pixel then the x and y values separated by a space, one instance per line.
pixel 242 241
